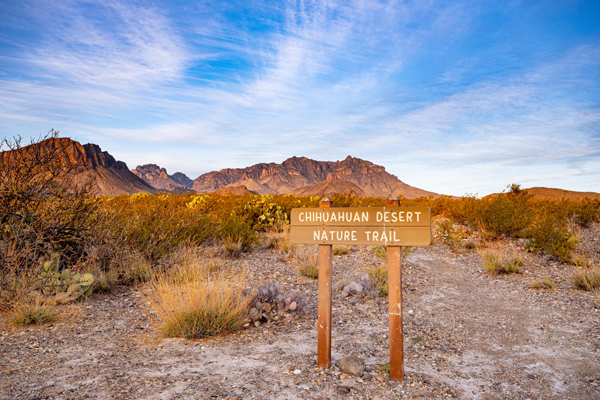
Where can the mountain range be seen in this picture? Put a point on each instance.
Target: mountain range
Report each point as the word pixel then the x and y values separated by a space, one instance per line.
pixel 296 175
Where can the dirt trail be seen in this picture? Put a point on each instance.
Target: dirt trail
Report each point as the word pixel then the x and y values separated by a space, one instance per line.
pixel 467 335
pixel 515 342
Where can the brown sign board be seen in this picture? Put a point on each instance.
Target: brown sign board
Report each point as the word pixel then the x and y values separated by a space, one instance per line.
pixel 371 226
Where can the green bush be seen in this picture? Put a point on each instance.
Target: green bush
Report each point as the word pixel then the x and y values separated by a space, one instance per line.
pixel 237 234
pixel 550 235
pixel 508 214
pixel 263 213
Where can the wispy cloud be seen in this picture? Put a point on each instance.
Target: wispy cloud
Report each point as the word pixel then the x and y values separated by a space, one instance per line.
pixel 423 86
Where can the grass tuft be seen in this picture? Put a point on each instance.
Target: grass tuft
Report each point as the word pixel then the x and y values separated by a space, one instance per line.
pixel 587 278
pixel 33 313
pixel 190 301
pixel 385 368
pixel 341 250
pixel 542 284
pixel 308 263
pixel 496 262
pixel 378 277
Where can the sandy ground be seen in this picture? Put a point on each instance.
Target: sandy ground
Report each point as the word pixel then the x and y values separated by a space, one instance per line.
pixel 468 335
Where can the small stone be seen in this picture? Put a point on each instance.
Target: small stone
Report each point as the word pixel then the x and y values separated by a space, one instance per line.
pixel 297 371
pixel 253 314
pixel 355 286
pixel 352 365
pixel 232 394
pixel 342 389
pixel 267 307
pixel 293 305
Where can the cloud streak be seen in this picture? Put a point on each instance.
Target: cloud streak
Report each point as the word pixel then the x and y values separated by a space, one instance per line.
pixel 411 86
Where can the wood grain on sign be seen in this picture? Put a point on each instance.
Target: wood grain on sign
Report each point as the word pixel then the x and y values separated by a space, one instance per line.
pixel 371 226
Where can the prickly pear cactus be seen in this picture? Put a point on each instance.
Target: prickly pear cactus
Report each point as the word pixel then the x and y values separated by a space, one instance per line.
pixel 65 285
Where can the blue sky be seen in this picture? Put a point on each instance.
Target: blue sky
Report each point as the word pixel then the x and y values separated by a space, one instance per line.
pixel 451 96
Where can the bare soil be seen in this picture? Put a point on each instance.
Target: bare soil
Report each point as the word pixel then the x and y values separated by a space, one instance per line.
pixel 468 335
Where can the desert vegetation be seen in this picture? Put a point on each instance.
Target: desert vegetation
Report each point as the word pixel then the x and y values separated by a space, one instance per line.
pixel 61 242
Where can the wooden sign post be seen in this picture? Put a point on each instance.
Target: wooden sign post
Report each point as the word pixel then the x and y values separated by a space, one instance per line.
pixel 392 226
pixel 325 293
pixel 394 256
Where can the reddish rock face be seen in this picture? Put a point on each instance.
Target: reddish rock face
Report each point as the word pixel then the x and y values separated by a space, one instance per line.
pixel 300 172
pixel 110 176
pixel 160 179
pixel 329 187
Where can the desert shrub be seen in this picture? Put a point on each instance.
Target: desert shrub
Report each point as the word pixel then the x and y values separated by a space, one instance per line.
pixel 154 224
pixel 43 210
pixel 191 302
pixel 237 235
pixel 380 251
pixel 311 271
pixel 507 214
pixel 552 236
pixel 264 213
pixel 496 262
pixel 452 235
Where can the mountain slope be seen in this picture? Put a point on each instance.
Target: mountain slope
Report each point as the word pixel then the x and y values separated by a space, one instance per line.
pixel 111 177
pixel 327 188
pixel 298 172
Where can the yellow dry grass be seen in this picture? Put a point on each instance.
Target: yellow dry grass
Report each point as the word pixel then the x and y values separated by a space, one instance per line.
pixel 192 300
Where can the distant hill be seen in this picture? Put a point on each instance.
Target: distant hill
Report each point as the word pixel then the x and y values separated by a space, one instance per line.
pixel 329 187
pixel 543 193
pixel 299 172
pixel 160 179
pixel 558 194
pixel 112 177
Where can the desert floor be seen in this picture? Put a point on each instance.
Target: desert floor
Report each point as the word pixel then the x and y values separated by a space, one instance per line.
pixel 468 335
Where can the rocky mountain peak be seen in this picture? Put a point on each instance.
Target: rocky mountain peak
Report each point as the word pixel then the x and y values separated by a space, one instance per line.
pixel 160 179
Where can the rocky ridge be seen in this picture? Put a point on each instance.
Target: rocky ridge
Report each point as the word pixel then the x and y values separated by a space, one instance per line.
pixel 89 162
pixel 298 172
pixel 160 179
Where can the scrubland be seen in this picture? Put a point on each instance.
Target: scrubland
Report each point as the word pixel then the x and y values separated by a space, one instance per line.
pixel 194 265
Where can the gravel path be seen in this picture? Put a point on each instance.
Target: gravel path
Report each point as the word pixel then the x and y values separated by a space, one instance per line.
pixel 467 335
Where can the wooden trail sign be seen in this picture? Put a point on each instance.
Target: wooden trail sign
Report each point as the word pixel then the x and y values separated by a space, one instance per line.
pixel 392 226
pixel 371 226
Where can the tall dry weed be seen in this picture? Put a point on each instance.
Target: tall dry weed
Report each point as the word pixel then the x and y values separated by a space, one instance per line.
pixel 308 261
pixel 191 301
